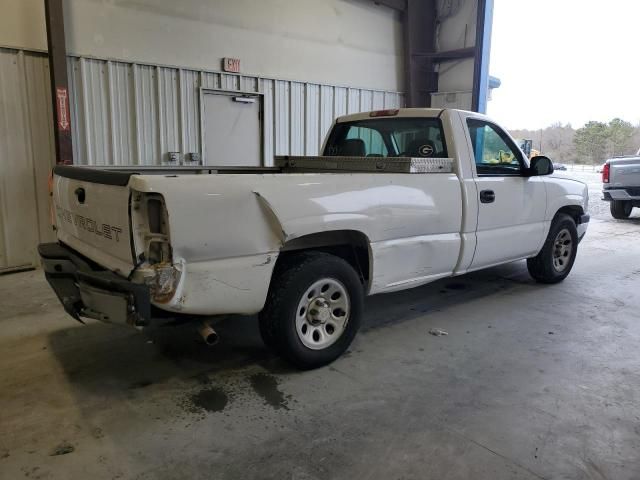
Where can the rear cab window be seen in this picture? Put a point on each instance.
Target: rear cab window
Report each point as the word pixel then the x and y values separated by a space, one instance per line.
pixel 388 137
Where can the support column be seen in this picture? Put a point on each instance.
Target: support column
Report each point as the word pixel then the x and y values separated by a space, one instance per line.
pixel 420 43
pixel 59 82
pixel 484 23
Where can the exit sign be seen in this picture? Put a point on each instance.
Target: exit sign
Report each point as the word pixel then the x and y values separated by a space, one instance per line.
pixel 231 65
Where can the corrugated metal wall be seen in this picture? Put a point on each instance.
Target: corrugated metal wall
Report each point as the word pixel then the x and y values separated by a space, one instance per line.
pixel 124 113
pixel 26 156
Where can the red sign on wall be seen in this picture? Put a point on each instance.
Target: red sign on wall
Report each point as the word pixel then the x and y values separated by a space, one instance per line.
pixel 62 105
pixel 231 65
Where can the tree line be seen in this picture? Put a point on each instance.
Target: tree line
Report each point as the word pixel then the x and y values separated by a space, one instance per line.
pixel 591 144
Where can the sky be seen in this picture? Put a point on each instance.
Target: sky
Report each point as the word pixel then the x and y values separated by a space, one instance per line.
pixel 566 61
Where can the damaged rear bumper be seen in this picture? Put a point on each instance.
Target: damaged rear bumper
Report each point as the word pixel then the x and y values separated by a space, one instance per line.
pixel 86 291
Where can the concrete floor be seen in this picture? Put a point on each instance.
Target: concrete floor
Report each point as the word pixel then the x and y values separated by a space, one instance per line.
pixel 531 382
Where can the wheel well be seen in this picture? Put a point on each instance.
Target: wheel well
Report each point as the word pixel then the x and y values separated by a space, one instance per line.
pixel 574 211
pixel 350 245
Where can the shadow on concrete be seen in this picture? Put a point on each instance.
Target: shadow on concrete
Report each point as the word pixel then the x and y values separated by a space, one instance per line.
pixel 112 360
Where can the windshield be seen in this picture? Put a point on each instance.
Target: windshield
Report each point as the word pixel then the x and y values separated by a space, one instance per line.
pixel 388 137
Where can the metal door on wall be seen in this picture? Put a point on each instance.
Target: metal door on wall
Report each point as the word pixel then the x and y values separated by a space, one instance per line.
pixel 232 129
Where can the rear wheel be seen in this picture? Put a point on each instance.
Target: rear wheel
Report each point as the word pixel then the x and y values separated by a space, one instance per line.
pixel 555 260
pixel 620 209
pixel 313 309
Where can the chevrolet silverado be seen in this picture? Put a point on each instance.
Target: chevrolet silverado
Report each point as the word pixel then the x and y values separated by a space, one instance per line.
pixel 399 198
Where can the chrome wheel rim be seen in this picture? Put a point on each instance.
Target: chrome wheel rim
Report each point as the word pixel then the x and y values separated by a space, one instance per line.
pixel 562 250
pixel 323 313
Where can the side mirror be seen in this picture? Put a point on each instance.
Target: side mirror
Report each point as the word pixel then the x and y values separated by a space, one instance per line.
pixel 540 165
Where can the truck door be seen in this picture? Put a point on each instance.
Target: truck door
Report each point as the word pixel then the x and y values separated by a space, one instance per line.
pixel 511 206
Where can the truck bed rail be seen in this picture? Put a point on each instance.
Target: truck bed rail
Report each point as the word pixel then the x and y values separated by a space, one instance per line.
pixel 119 174
pixel 365 164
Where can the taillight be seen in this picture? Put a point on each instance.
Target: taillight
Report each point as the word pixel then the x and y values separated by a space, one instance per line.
pixel 150 228
pixel 384 113
pixel 605 173
pixel 153 252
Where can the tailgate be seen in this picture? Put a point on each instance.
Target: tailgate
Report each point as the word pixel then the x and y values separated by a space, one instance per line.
pixel 92 215
pixel 625 173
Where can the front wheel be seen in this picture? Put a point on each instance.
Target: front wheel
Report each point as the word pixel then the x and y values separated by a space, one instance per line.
pixel 313 309
pixel 620 209
pixel 555 260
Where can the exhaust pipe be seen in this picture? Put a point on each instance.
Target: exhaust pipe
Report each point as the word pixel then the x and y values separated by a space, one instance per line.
pixel 208 334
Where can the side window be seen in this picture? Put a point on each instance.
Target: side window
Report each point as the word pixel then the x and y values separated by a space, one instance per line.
pixel 372 141
pixel 494 153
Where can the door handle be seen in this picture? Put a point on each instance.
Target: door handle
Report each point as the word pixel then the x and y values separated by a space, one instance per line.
pixel 487 196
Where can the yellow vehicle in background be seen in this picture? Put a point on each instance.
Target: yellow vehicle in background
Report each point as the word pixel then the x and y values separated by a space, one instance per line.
pixel 526 145
pixel 503 157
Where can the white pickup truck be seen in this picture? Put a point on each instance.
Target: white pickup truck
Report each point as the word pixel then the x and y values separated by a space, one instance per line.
pixel 399 198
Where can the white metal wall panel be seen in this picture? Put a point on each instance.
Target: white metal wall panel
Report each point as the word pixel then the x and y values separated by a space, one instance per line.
pixel 296 119
pixel 211 80
pixel 366 100
pixel 268 121
pixel 326 109
pixel 249 84
pixel 168 113
pixel 25 156
pixel 353 100
pixel 40 136
pixel 122 114
pixel 281 105
pixel 190 104
pixel 378 100
pixel 127 113
pixel 392 100
pixel 339 101
pixel 230 82
pixel 146 95
pixel 96 112
pixel 76 107
pixel 312 119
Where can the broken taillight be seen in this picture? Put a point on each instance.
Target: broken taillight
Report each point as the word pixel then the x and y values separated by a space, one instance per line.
pixel 605 172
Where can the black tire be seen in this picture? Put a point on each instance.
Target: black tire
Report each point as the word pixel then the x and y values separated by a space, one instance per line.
pixel 620 209
pixel 293 277
pixel 545 267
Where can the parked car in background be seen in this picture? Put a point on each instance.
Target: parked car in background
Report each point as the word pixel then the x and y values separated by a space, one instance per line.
pixel 559 166
pixel 621 185
pixel 399 198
